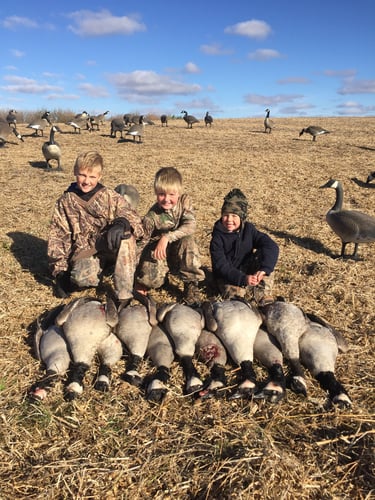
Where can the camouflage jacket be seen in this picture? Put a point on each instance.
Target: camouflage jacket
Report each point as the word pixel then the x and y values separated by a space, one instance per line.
pixel 174 224
pixel 77 224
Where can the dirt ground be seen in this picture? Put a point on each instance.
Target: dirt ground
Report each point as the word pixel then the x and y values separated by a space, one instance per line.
pixel 118 445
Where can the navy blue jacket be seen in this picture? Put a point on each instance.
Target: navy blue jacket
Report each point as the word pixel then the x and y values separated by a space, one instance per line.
pixel 230 251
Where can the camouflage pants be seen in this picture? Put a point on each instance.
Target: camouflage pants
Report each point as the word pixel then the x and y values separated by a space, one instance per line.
pixel 183 259
pixel 250 266
pixel 85 272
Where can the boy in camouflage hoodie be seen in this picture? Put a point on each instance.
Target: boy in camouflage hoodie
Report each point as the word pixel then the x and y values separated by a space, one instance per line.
pixel 92 227
pixel 168 244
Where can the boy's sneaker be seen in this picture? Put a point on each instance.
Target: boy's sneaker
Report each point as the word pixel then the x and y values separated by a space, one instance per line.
pixel 191 292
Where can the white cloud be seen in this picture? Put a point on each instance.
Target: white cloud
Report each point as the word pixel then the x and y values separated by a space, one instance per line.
pixel 215 49
pixel 352 86
pixel 271 100
pixel 93 90
pixel 264 55
pixel 68 97
pixel 17 53
pixel 102 23
pixel 342 73
pixel 148 86
pixel 297 109
pixel 354 108
pixel 252 29
pixel 13 22
pixel 191 67
pixel 18 84
pixel 294 80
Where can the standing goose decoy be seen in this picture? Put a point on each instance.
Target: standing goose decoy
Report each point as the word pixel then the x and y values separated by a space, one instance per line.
pixel 268 123
pixel 51 149
pixel 371 177
pixel 80 121
pixel 117 125
pixel 351 226
pixel 12 118
pixel 189 119
pixel 6 131
pixel 164 120
pixel 41 124
pixel 86 323
pixel 208 120
pixel 183 325
pixel 137 130
pixel 235 323
pixel 314 131
pixel 97 120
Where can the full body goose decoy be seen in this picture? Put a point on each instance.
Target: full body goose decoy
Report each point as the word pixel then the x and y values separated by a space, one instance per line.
pixel 370 177
pixel 235 323
pixel 117 125
pixel 51 149
pixel 189 119
pixel 39 125
pixel 208 120
pixel 183 325
pixel 12 118
pixel 80 121
pixel 314 131
pixel 6 131
pixel 351 226
pixel 164 120
pixel 87 323
pixel 97 120
pixel 268 123
pixel 136 130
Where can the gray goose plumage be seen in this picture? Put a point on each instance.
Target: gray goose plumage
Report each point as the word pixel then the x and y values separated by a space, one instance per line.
pixel 81 120
pixel 208 120
pixel 117 125
pixel 136 130
pixel 51 149
pixel 268 123
pixel 164 120
pixel 314 130
pixel 351 226
pixel 6 130
pixel 12 118
pixel 39 125
pixel 189 119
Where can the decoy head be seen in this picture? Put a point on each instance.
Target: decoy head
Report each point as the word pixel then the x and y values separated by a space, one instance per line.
pixel 332 183
pixel 302 131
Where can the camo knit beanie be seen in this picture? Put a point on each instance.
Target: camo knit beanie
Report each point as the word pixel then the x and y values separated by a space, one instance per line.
pixel 235 202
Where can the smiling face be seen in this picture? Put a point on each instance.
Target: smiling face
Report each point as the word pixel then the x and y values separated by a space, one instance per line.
pixel 231 222
pixel 167 199
pixel 88 178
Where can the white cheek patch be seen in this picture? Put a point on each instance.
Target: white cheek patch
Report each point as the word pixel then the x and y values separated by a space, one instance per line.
pixel 75 387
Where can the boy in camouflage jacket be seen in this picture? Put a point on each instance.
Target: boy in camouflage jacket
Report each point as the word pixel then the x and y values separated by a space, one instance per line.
pixel 168 244
pixel 92 227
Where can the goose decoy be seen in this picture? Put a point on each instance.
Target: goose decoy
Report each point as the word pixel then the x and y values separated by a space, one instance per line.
pixel 208 120
pixel 98 120
pixel 314 131
pixel 12 118
pixel 189 119
pixel 351 226
pixel 371 177
pixel 164 120
pixel 80 121
pixel 268 123
pixel 41 124
pixel 51 149
pixel 235 323
pixel 136 130
pixel 6 131
pixel 117 125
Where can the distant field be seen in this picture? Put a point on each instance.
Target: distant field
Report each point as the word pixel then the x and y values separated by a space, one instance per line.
pixel 117 445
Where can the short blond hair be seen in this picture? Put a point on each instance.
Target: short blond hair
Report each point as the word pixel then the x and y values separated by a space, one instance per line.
pixel 90 160
pixel 166 179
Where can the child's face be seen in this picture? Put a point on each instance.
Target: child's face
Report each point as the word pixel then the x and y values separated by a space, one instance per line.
pixel 231 222
pixel 167 199
pixel 87 179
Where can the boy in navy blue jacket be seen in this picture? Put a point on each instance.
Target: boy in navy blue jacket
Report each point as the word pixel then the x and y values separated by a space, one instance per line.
pixel 243 258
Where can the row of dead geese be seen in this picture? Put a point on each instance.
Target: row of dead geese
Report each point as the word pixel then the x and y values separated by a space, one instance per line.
pixel 220 333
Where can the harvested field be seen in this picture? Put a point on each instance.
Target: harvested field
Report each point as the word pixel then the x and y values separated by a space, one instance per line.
pixel 117 445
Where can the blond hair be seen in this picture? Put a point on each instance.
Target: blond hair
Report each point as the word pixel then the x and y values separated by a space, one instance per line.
pixel 90 160
pixel 166 179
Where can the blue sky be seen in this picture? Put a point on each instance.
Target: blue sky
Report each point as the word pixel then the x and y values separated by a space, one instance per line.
pixel 232 59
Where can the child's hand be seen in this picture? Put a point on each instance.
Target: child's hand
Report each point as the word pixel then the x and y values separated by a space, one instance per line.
pixel 255 279
pixel 160 251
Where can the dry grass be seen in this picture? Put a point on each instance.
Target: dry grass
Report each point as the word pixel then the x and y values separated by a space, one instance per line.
pixel 117 445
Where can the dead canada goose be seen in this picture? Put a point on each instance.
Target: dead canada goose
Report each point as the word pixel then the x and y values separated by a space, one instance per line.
pixel 189 119
pixel 268 123
pixel 351 226
pixel 371 177
pixel 160 351
pixel 6 131
pixel 12 118
pixel 130 193
pixel 208 120
pixel 39 125
pixel 314 131
pixel 98 120
pixel 136 130
pixel 164 120
pixel 51 149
